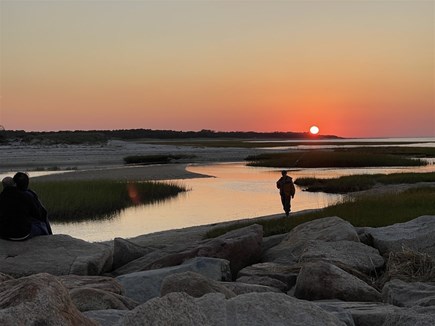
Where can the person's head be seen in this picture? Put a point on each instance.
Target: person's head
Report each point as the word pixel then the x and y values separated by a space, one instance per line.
pixel 284 173
pixel 8 182
pixel 21 180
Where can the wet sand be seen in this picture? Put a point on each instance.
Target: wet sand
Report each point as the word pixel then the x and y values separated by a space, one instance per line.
pixel 92 162
pixel 129 173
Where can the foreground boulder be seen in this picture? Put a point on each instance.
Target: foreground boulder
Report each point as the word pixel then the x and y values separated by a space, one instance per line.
pixel 213 309
pixel 143 286
pixel 55 254
pixel 328 229
pixel 405 294
pixel 350 253
pixel 411 317
pixel 104 283
pixel 193 284
pixel 38 300
pixel 283 273
pixel 87 299
pixel 264 281
pixel 359 313
pixel 321 280
pixel 5 277
pixel 125 251
pixel 241 247
pixel 417 234
pixel 243 288
pixel 109 317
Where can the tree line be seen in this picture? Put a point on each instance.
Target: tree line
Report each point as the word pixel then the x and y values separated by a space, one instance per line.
pixel 102 136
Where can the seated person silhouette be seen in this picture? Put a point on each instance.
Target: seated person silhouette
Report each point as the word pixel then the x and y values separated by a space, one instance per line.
pixel 16 211
pixel 40 223
pixel 20 216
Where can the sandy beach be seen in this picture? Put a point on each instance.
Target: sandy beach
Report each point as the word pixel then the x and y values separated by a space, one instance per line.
pixel 106 161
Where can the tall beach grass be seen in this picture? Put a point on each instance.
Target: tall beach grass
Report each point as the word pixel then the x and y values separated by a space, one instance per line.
pixel 73 201
pixel 351 183
pixel 326 159
pixel 369 210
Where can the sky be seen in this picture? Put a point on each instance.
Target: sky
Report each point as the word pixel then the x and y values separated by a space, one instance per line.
pixel 353 68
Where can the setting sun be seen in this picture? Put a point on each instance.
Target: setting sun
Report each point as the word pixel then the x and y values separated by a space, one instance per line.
pixel 314 130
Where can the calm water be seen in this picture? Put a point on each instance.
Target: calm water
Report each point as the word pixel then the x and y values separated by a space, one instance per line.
pixel 235 192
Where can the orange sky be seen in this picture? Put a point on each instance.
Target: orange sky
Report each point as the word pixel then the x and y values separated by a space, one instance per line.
pixel 355 69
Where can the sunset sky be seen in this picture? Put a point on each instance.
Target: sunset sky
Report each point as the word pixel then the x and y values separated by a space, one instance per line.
pixel 354 68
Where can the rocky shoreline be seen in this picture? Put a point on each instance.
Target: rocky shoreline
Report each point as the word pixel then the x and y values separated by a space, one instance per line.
pixel 323 272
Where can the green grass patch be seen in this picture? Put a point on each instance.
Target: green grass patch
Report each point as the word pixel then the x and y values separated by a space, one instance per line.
pixel 373 211
pixel 395 150
pixel 351 183
pixel 155 159
pixel 73 201
pixel 326 159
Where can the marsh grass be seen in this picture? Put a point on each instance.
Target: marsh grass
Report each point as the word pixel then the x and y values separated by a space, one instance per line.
pixel 374 211
pixel 73 201
pixel 409 266
pixel 351 183
pixel 326 159
pixel 395 150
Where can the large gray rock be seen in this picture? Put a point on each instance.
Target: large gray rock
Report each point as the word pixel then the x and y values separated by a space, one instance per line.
pixel 265 281
pixel 193 284
pixel 361 313
pixel 172 309
pixel 142 286
pixel 55 254
pixel 87 299
pixel 38 300
pixel 405 294
pixel 411 317
pixel 326 229
pixel 109 317
pixel 243 288
pixel 253 309
pixel 125 251
pixel 339 312
pixel 272 241
pixel 241 247
pixel 321 280
pixel 108 284
pixel 5 277
pixel 353 254
pixel 417 234
pixel 283 273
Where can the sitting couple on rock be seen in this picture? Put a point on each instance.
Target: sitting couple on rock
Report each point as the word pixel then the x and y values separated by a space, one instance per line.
pixel 22 216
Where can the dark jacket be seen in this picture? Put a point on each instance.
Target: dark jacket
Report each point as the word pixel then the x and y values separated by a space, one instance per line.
pixel 16 213
pixel 286 186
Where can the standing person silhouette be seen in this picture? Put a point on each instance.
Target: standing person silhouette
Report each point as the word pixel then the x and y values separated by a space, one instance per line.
pixel 286 191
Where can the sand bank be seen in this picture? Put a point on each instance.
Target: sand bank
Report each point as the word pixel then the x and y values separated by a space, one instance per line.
pixel 92 162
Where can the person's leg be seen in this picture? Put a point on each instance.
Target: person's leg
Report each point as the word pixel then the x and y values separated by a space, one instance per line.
pixel 38 228
pixel 283 201
pixel 287 205
pixel 48 226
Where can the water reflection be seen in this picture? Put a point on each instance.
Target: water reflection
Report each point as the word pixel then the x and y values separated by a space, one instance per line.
pixel 236 192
